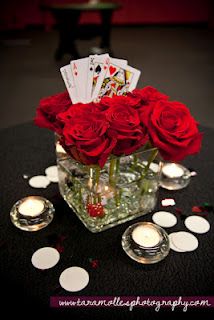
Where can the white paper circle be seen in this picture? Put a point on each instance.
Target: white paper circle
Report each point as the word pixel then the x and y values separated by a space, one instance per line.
pixel 164 219
pixel 45 258
pixel 74 279
pixel 51 171
pixel 39 182
pixel 185 241
pixel 53 179
pixel 197 224
pixel 172 246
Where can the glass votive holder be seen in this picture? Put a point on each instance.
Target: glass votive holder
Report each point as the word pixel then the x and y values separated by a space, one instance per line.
pixel 174 176
pixel 146 242
pixel 32 213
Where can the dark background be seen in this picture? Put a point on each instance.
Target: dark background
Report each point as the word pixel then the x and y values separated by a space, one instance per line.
pixel 171 42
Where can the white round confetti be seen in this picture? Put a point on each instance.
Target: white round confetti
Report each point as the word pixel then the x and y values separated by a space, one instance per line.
pixel 39 182
pixel 172 246
pixel 53 179
pixel 74 279
pixel 51 171
pixel 164 219
pixel 185 241
pixel 45 258
pixel 197 224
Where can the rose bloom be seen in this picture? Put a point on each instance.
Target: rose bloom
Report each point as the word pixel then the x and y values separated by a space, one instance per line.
pixel 171 129
pixel 125 126
pixel 146 96
pixel 86 135
pixel 76 111
pixel 49 108
pixel 124 101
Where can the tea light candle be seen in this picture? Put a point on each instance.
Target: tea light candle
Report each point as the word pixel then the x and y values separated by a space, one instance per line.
pixel 146 236
pixel 32 213
pixel 173 170
pixel 31 207
pixel 145 242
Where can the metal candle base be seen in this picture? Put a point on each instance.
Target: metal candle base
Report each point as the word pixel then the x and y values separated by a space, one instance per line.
pixel 142 254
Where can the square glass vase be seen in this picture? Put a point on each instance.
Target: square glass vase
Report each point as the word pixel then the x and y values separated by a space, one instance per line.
pixel 124 189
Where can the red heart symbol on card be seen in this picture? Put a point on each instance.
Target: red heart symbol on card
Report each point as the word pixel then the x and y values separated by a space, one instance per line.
pixel 105 67
pixel 75 73
pixel 113 85
pixel 112 70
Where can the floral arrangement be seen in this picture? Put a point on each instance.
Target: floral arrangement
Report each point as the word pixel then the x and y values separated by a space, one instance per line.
pixel 121 125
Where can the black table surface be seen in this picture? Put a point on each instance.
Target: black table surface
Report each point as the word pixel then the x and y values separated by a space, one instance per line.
pixel 26 149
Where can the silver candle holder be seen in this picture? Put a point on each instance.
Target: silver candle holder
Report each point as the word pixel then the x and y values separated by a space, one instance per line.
pixel 146 242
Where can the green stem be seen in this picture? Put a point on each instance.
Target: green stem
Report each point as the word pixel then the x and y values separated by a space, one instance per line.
pixel 151 158
pixel 94 178
pixel 97 177
pixel 117 166
pixel 112 170
pixel 80 195
pixel 113 177
pixel 135 159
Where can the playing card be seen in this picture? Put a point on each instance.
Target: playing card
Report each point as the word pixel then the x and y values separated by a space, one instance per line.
pixel 79 69
pixel 98 75
pixel 119 62
pixel 119 80
pixel 69 82
pixel 97 67
pixel 90 77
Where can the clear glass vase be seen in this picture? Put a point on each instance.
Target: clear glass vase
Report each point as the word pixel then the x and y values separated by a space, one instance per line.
pixel 124 189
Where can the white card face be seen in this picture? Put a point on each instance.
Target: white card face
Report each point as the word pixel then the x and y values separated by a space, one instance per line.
pixel 118 81
pixel 79 69
pixel 69 82
pixel 119 62
pixel 101 64
pixel 90 82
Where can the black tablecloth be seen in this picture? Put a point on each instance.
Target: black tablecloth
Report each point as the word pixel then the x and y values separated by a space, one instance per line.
pixel 26 149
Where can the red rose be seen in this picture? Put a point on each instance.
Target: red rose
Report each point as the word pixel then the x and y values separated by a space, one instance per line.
pixel 171 129
pixel 147 95
pixel 86 135
pixel 107 102
pixel 49 108
pixel 76 111
pixel 125 126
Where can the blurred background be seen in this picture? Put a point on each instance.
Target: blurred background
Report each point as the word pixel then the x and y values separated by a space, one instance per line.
pixel 170 41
